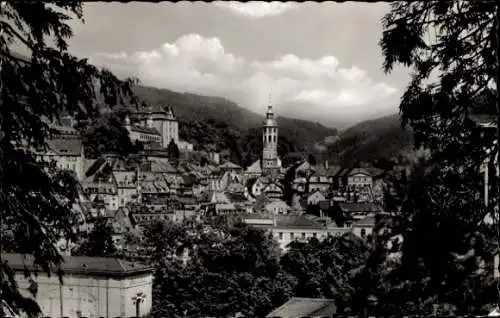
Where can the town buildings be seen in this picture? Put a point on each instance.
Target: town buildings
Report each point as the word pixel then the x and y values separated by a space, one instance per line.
pixel 147 187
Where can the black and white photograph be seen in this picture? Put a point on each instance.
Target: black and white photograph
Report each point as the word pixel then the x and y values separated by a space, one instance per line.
pixel 249 159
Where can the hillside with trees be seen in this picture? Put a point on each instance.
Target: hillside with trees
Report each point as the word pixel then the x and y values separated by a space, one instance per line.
pixel 206 120
pixel 381 139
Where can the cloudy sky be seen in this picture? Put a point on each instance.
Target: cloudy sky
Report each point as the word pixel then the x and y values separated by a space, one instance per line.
pixel 314 61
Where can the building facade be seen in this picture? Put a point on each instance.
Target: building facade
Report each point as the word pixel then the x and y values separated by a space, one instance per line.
pixel 67 153
pixel 162 126
pixel 92 287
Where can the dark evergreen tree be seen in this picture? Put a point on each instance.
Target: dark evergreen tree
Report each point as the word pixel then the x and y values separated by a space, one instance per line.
pixel 97 243
pixel 440 209
pixel 107 134
pixel 37 203
pixel 311 159
pixel 173 151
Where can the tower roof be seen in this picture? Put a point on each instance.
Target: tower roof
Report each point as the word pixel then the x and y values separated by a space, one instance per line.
pixel 270 120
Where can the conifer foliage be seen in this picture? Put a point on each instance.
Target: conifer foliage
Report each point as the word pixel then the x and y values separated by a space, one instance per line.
pixel 450 47
pixel 35 200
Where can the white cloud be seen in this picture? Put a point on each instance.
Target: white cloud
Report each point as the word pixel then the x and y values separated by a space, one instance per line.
pixel 300 87
pixel 257 9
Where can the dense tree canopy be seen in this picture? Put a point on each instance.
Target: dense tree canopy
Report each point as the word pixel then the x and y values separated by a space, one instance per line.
pixel 107 134
pixel 450 46
pixel 322 268
pixel 98 242
pixel 216 271
pixel 45 83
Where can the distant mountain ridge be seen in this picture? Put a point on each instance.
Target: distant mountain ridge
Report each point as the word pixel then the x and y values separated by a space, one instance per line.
pixel 372 140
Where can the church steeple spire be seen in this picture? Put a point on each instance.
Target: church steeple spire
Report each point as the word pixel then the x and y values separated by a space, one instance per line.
pixel 270 164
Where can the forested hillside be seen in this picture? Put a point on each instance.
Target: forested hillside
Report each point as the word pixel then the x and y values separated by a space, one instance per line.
pixel 372 141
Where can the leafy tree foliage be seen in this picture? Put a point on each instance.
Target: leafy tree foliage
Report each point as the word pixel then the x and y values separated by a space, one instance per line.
pixel 451 48
pixel 99 242
pixel 216 270
pixel 322 268
pixel 36 200
pixel 107 134
pixel 311 159
pixel 443 245
pixel 454 42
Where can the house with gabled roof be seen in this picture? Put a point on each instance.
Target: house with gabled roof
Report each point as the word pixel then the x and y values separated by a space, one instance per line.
pixel 67 153
pixel 364 226
pixel 100 183
pixel 359 210
pixel 255 187
pixel 273 190
pixel 229 166
pixel 315 197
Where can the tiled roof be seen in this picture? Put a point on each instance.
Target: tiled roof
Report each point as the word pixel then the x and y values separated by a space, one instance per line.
pixel 229 165
pixel 358 171
pixel 317 192
pixel 145 130
pixel 157 166
pixel 66 147
pixel 236 188
pixel 154 187
pixel 260 202
pixel 367 221
pixel 360 207
pixel 297 222
pixel 255 167
pixel 158 112
pixel 305 307
pixel 334 170
pixel 82 265
pixel 375 172
pixel 236 197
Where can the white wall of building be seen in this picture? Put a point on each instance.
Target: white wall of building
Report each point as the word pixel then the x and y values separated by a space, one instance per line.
pixel 92 296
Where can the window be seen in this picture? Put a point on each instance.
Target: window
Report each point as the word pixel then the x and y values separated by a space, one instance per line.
pixel 280 235
pixel 363 232
pixel 292 235
pixel 314 234
pixel 303 235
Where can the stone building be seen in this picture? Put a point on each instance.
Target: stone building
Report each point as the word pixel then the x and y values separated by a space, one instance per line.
pixel 92 287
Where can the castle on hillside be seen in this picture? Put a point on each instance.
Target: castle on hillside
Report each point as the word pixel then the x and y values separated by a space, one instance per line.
pixel 156 125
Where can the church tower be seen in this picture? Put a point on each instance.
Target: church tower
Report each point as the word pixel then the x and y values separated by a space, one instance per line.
pixel 270 164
